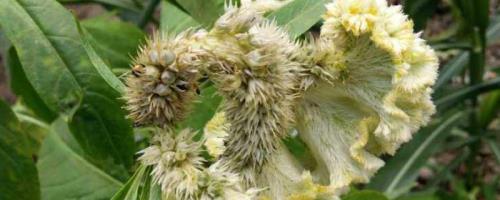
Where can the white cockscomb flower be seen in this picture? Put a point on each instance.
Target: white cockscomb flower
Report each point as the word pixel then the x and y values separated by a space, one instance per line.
pixel 358 91
pixel 216 131
pixel 251 67
pixel 164 79
pixel 378 97
pixel 176 162
pixel 393 31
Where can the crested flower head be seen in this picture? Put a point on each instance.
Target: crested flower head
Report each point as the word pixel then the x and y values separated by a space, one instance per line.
pixel 176 161
pixel 372 92
pixel 251 68
pixel 216 131
pixel 163 79
pixel 393 31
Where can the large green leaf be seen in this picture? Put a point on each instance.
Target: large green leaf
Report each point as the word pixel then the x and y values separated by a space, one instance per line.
pixel 56 63
pixel 174 20
pixel 18 175
pixel 104 136
pixel 65 174
pixel 397 176
pixel 127 4
pixel 101 67
pixel 298 16
pixel 115 41
pixel 45 47
pixel 205 12
pixel 23 89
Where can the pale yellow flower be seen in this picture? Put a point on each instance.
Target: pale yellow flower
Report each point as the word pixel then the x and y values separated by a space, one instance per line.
pixel 357 17
pixel 216 131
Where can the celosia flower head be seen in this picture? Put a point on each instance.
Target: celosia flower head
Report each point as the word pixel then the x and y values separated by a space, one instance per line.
pixel 163 79
pixel 176 162
pixel 372 92
pixel 250 66
pixel 358 91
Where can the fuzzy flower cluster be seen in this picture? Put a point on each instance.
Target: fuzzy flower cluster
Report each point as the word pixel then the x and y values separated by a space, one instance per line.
pixel 177 166
pixel 356 92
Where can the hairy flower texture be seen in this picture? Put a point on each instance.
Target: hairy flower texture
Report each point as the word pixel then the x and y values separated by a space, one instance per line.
pixel 251 68
pixel 371 92
pixel 357 17
pixel 176 161
pixel 164 79
pixel 217 182
pixel 265 5
pixel 306 189
pixel 216 132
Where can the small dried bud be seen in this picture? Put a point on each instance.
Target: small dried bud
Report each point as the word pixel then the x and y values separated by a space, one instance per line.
pixel 162 90
pixel 167 77
pixel 168 57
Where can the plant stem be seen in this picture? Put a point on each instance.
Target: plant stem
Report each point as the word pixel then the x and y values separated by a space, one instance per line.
pixel 476 67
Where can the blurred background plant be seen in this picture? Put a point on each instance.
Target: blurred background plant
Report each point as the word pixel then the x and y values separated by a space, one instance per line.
pixel 63 134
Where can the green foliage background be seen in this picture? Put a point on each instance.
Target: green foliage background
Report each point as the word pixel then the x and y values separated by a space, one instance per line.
pixel 66 137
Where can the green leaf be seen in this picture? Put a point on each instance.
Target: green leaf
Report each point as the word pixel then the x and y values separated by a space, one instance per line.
pixel 103 134
pixel 364 195
pixel 18 174
pixel 299 15
pixel 204 109
pixel 401 170
pixel 46 50
pixel 127 4
pixel 489 108
pixel 65 174
pixel 459 62
pixel 205 12
pixel 132 189
pixel 38 129
pixel 419 11
pixel 100 66
pixel 115 41
pixel 53 56
pixel 453 67
pixel 24 90
pixel 174 20
pixel 466 93
pixel 418 196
